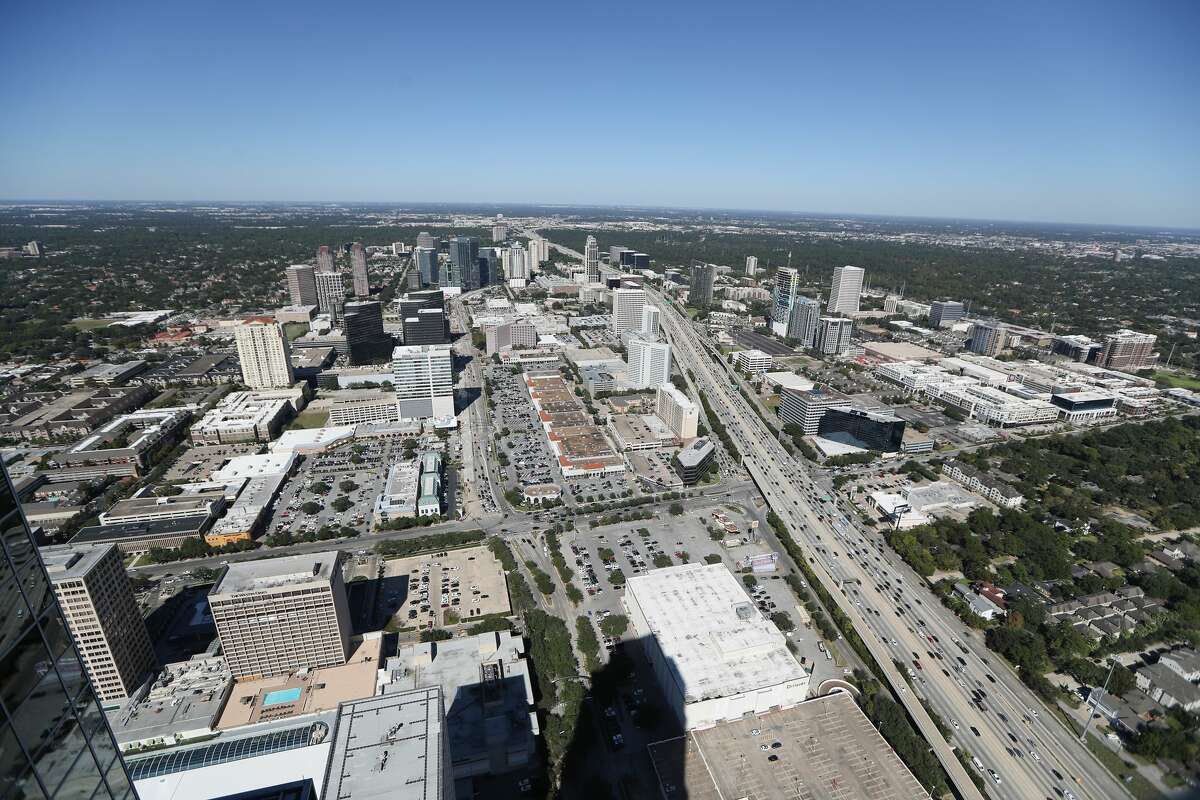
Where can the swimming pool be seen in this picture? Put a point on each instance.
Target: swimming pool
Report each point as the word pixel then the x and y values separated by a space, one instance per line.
pixel 281 696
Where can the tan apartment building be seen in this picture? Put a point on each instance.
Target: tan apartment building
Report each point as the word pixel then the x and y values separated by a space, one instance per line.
pixel 103 617
pixel 282 614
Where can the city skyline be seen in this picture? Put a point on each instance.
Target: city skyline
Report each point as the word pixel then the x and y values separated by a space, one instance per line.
pixel 1072 114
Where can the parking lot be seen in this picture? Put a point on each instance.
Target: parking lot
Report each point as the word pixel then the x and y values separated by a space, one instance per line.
pixel 432 591
pixel 530 461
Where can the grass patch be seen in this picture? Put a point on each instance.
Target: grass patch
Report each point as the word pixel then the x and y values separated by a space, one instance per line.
pixel 294 330
pixel 1178 380
pixel 90 324
pixel 1138 786
pixel 309 419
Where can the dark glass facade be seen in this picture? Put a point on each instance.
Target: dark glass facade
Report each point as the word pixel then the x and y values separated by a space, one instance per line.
pixel 54 739
pixel 883 432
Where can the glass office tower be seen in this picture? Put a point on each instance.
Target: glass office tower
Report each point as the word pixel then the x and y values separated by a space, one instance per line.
pixel 54 740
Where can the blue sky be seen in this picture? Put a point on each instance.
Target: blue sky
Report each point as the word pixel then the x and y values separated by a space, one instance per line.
pixel 1056 111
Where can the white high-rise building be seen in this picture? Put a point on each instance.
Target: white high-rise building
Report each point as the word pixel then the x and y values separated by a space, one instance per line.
pixel 833 335
pixel 650 321
pixel 423 377
pixel 846 290
pixel 627 309
pixel 499 232
pixel 591 259
pixel 751 265
pixel 539 251
pixel 302 285
pixel 802 321
pixel 331 294
pixel 679 413
pixel 265 356
pixel 649 363
pixel 517 268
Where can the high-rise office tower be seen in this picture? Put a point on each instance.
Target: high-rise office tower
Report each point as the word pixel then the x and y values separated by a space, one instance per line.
pixel 802 320
pixel 988 338
pixel 944 313
pixel 413 302
pixel 833 335
pixel 489 266
pixel 499 232
pixel 365 337
pixel 591 259
pixel 845 290
pixel 425 239
pixel 424 381
pixel 265 355
pixel 650 321
pixel 427 265
pixel 1127 350
pixel 331 294
pixel 278 615
pixel 751 265
pixel 627 307
pixel 463 271
pixel 614 254
pixel 787 286
pixel 102 614
pixel 358 270
pixel 325 259
pixel 57 743
pixel 425 326
pixel 517 270
pixel 679 413
pixel 302 285
pixel 649 363
pixel 700 288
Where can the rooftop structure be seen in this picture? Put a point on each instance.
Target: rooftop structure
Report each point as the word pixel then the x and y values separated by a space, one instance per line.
pixel 140 537
pixel 182 702
pixel 485 683
pixel 391 746
pixel 255 416
pixel 106 374
pixel 41 415
pixel 714 655
pixel 828 750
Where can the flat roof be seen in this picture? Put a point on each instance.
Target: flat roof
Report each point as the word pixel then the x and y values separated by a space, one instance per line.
pixel 696 451
pixel 388 746
pixel 178 526
pixel 71 561
pixel 716 642
pixel 272 573
pixel 788 380
pixel 828 750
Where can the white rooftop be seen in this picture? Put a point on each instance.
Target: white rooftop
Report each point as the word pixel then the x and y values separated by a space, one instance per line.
pixel 716 641
pixel 788 380
pixel 255 466
pixel 271 573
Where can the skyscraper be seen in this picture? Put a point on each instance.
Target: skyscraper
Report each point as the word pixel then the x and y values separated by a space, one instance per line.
pixel 57 740
pixel 802 320
pixel 845 290
pixel 423 376
pixel 751 265
pixel 102 615
pixel 787 284
pixel 358 270
pixel 282 614
pixel 302 286
pixel 649 363
pixel 539 253
pixel 499 232
pixel 425 239
pixel 700 288
pixel 650 321
pixel 425 326
pixel 833 335
pixel 427 265
pixel 1127 350
pixel 988 338
pixel 331 295
pixel 591 259
pixel 517 271
pixel 944 313
pixel 365 337
pixel 627 307
pixel 680 414
pixel 325 259
pixel 463 271
pixel 265 356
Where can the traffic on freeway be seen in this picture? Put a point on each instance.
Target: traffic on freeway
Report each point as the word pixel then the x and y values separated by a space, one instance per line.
pixel 1016 749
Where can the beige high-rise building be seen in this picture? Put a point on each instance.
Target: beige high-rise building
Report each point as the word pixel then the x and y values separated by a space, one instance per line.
pixel 678 412
pixel 282 614
pixel 265 356
pixel 103 617
pixel 302 285
pixel 358 270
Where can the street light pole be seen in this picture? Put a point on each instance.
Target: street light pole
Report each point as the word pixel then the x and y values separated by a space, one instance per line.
pixel 1103 691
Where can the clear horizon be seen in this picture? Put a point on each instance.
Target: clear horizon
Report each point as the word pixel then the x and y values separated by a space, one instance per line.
pixel 1078 113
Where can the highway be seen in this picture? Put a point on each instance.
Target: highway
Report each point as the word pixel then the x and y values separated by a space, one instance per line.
pixel 1031 754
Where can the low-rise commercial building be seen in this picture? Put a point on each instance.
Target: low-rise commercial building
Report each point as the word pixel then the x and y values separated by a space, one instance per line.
pixel 993 406
pixel 872 429
pixel 365 405
pixel 997 491
pixel 715 657
pixel 806 408
pixel 106 374
pixel 756 362
pixel 256 416
pixel 47 415
pixel 692 462
pixel 182 703
pixel 121 447
pixel 134 538
pixel 1080 408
